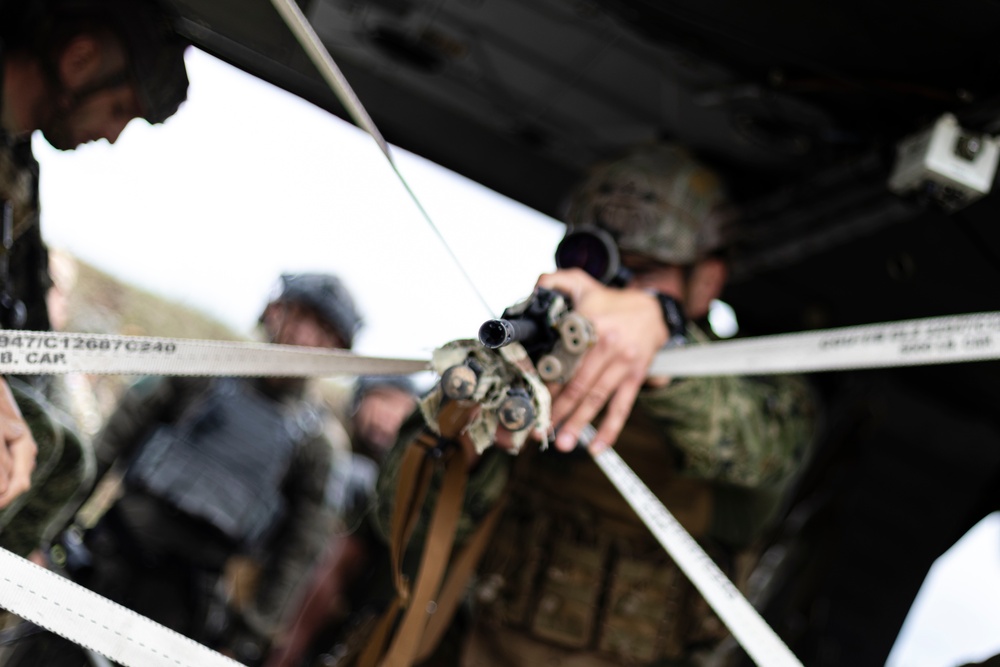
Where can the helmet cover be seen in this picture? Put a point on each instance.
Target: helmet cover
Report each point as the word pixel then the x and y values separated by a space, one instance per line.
pixel 155 51
pixel 657 201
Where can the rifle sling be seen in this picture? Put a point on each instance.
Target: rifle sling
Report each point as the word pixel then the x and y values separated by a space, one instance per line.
pixel 436 554
pixel 424 611
pixel 455 584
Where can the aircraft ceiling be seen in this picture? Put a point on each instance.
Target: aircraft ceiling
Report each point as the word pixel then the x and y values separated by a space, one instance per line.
pixel 799 104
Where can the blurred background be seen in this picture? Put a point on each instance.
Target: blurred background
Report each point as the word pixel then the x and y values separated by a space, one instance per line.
pixel 182 229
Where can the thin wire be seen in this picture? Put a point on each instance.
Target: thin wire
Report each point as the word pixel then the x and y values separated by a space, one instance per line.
pixel 331 73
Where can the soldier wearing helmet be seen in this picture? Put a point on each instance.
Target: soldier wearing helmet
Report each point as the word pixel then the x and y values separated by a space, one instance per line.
pixel 571 575
pixel 78 71
pixel 327 302
pixel 216 468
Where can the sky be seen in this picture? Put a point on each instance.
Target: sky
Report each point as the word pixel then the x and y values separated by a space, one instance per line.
pixel 246 182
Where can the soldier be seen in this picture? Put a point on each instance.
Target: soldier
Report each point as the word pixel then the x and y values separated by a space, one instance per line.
pixel 571 575
pixel 218 467
pixel 379 406
pixel 78 71
pixel 372 408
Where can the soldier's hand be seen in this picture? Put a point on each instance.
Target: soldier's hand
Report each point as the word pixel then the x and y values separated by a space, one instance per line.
pixel 630 330
pixel 17 449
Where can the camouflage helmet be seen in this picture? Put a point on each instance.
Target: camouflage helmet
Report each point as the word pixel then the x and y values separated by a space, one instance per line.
pixel 657 201
pixel 155 51
pixel 326 295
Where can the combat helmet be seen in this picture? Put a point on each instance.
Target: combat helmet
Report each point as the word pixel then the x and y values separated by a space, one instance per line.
pixel 657 201
pixel 326 295
pixel 155 50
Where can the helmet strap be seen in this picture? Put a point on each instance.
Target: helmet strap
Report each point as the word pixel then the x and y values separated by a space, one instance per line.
pixel 114 80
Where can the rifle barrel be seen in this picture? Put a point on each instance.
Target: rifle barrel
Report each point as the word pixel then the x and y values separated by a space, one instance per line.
pixel 497 333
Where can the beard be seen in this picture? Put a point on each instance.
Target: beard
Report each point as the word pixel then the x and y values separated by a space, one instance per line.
pixel 57 126
pixel 58 137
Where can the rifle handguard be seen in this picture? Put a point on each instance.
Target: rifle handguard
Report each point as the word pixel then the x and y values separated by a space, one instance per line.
pixel 502 384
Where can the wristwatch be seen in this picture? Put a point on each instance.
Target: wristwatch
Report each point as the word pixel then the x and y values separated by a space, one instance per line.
pixel 673 316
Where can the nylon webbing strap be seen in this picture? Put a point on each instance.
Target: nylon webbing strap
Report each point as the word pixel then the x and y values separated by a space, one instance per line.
pixel 129 639
pixel 756 637
pixel 961 338
pixel 328 69
pixel 132 640
pixel 934 340
pixel 415 472
pixel 40 353
pixel 94 622
pixel 434 560
pixel 419 603
pixel 454 586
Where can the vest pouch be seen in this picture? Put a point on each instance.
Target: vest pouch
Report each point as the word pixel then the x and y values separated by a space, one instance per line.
pixel 172 467
pixel 507 575
pixel 567 606
pixel 644 610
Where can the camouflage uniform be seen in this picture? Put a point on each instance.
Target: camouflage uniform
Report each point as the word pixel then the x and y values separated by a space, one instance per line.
pixel 64 469
pixel 572 576
pixel 165 563
pixel 63 475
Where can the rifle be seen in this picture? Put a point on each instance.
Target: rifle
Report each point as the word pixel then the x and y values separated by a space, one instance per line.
pixel 552 334
pixel 497 380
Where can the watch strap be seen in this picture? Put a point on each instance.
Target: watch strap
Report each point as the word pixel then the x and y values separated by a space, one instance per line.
pixel 673 317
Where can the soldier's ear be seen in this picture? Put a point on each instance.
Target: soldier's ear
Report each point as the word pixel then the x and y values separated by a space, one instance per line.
pixel 79 61
pixel 706 282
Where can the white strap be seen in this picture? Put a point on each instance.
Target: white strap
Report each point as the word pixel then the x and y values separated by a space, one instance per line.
pixel 756 637
pixel 927 341
pixel 94 622
pixel 328 69
pixel 934 340
pixel 311 44
pixel 38 352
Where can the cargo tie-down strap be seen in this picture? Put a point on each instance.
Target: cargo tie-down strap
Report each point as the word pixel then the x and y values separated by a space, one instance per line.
pixel 81 616
pixel 84 617
pixel 921 342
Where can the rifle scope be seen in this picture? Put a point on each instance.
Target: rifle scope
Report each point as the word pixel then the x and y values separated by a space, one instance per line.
pixel 595 251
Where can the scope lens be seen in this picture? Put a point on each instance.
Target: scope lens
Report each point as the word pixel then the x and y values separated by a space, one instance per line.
pixel 583 250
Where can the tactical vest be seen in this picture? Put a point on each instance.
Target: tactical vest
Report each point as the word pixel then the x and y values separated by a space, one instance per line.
pixel 225 460
pixel 571 566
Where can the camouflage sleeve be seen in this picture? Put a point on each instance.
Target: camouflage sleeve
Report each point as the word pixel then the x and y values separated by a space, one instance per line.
pixel 307 524
pixel 744 431
pixel 62 477
pixel 483 491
